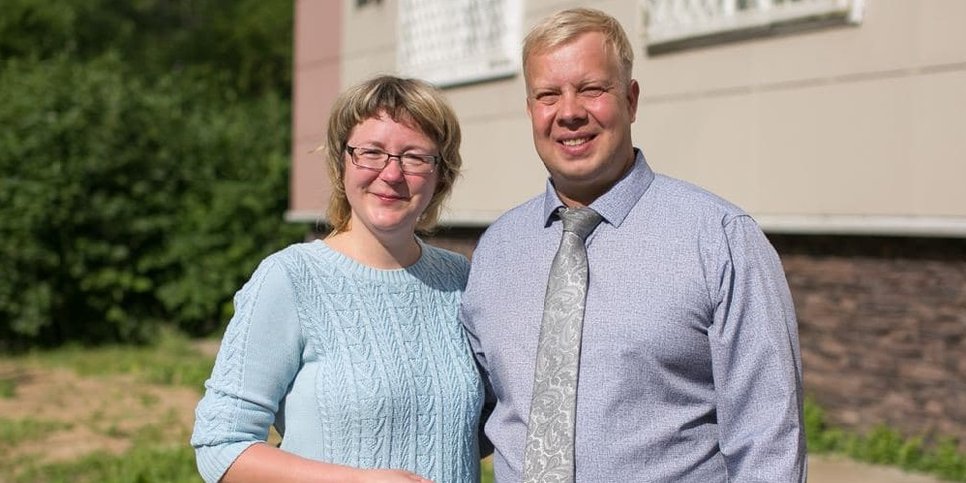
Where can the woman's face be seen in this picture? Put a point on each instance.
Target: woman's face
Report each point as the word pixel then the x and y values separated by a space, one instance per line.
pixel 388 202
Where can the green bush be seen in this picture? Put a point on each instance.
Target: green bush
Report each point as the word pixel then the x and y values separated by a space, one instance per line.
pixel 244 45
pixel 127 202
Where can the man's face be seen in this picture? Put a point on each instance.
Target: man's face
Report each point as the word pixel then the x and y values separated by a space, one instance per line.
pixel 581 115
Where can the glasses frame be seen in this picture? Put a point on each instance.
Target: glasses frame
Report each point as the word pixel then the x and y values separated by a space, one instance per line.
pixel 433 160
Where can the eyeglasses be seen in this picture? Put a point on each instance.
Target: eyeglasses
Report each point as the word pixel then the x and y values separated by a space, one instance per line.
pixel 377 160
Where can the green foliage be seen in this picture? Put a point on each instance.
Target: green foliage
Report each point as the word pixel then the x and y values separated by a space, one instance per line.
pixel 144 160
pixel 125 202
pixel 885 446
pixel 142 464
pixel 245 45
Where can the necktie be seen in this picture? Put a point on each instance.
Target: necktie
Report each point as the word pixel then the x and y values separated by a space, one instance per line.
pixel 549 454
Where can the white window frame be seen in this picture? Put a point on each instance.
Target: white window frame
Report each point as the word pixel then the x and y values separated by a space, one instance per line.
pixel 465 41
pixel 675 24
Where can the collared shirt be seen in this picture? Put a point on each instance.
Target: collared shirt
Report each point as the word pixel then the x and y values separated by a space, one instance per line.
pixel 689 368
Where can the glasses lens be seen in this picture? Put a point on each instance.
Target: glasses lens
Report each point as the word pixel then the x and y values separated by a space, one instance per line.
pixel 414 164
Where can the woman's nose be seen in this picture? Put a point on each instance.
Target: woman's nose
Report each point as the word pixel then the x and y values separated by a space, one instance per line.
pixel 393 170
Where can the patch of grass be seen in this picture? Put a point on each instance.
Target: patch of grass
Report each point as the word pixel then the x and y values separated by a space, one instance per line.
pixel 171 360
pixel 15 431
pixel 143 464
pixel 149 400
pixel 8 388
pixel 885 446
pixel 486 470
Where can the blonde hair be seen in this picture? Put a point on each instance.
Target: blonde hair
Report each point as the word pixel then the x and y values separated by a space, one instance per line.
pixel 565 26
pixel 409 101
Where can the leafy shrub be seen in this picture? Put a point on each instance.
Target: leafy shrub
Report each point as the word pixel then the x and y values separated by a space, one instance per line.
pixel 243 44
pixel 127 202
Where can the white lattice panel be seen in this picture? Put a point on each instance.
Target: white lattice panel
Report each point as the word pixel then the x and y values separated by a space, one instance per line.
pixel 456 41
pixel 675 20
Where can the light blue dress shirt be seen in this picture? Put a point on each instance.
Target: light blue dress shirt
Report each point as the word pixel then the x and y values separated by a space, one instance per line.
pixel 690 368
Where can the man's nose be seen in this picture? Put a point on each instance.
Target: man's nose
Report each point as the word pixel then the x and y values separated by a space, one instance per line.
pixel 571 109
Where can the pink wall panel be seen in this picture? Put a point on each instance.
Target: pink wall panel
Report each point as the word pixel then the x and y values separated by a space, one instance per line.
pixel 317 52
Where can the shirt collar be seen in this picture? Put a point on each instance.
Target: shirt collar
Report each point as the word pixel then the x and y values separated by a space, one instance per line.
pixel 617 202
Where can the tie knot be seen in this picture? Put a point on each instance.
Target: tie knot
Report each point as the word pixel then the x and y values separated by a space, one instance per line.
pixel 580 221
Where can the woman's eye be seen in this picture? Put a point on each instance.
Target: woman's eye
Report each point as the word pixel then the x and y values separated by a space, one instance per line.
pixel 414 158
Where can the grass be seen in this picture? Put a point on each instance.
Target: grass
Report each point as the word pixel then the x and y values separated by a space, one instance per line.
pixel 885 446
pixel 15 431
pixel 174 360
pixel 142 464
pixel 8 388
pixel 486 471
pixel 158 452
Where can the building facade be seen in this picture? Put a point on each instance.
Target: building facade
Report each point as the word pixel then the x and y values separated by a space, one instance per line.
pixel 836 123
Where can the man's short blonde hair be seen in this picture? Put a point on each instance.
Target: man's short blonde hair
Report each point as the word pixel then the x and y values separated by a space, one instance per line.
pixel 565 26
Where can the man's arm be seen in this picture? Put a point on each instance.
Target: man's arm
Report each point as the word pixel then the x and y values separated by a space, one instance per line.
pixel 756 361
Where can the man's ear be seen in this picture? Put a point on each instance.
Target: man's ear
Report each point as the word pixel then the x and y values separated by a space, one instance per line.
pixel 633 94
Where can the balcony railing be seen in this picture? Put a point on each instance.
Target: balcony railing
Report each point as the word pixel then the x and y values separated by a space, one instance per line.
pixel 672 24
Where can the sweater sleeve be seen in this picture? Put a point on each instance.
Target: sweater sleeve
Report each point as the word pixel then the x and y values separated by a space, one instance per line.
pixel 756 362
pixel 257 362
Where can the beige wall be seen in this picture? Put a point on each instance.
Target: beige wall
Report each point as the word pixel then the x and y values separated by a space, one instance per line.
pixel 851 129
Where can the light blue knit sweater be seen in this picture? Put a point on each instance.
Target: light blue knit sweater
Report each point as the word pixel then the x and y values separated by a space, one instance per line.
pixel 355 366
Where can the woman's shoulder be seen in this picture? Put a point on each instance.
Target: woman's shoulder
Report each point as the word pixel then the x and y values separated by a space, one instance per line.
pixel 444 255
pixel 443 261
pixel 291 259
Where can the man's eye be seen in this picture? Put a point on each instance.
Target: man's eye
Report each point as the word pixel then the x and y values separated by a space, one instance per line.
pixel 592 91
pixel 547 97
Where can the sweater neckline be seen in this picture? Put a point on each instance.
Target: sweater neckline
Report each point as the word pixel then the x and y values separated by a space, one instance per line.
pixel 358 270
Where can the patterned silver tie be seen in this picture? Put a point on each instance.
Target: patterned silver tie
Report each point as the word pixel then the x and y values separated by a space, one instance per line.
pixel 549 455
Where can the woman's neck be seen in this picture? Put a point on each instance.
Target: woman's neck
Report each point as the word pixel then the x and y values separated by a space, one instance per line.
pixel 384 253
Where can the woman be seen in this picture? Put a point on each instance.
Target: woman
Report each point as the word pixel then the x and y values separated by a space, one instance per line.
pixel 351 345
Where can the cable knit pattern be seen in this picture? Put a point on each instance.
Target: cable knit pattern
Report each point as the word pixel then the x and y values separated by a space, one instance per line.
pixel 353 365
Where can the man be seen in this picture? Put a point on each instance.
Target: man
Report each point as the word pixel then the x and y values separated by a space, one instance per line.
pixel 689 368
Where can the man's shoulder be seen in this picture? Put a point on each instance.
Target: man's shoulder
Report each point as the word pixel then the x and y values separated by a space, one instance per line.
pixel 522 216
pixel 686 195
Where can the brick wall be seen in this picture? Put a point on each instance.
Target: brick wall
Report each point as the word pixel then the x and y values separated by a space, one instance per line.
pixel 882 323
pixel 883 329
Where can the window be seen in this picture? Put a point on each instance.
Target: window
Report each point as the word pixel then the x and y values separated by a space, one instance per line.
pixel 450 42
pixel 676 24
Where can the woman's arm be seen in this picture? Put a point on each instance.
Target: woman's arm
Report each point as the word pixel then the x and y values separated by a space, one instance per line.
pixel 263 462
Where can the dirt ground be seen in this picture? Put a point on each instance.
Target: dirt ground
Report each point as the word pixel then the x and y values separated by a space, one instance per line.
pixel 71 416
pixel 111 413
